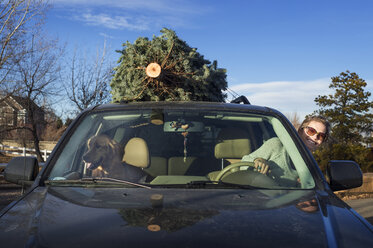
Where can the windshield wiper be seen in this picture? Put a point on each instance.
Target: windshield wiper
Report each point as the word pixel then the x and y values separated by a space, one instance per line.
pixel 205 184
pixel 113 180
pixel 202 184
pixel 97 180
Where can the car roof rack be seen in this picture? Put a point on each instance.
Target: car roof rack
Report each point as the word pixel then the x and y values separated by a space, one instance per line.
pixel 241 99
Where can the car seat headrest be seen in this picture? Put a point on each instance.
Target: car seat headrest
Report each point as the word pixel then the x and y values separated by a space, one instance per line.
pixel 232 143
pixel 136 153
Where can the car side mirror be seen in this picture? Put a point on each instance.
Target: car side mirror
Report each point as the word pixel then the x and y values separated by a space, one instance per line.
pixel 21 170
pixel 344 174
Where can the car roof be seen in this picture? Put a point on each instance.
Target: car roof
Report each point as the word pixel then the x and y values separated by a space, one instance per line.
pixel 187 105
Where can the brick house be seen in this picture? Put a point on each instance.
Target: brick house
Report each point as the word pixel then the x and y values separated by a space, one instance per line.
pixel 14 113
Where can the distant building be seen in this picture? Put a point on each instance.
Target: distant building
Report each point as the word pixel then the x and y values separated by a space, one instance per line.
pixel 14 112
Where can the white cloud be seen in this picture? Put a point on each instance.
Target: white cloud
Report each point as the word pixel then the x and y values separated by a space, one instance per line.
pixel 285 96
pixel 135 15
pixel 160 6
pixel 115 22
pixel 106 36
pixel 369 85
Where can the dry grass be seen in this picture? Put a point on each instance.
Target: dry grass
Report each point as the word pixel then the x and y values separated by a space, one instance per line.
pixel 365 191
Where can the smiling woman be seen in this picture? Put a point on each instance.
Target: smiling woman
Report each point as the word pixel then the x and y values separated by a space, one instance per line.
pixel 273 158
pixel 314 131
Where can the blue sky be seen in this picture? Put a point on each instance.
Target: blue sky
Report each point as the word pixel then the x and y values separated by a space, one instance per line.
pixel 279 53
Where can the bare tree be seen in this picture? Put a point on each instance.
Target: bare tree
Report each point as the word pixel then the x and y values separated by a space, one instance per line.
pixel 17 19
pixel 54 127
pixel 89 80
pixel 294 119
pixel 39 75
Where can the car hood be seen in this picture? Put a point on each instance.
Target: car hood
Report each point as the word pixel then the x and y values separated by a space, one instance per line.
pixel 137 217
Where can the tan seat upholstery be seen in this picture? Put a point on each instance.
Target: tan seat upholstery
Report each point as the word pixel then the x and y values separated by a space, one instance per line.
pixel 158 166
pixel 136 153
pixel 203 166
pixel 233 144
pixel 179 166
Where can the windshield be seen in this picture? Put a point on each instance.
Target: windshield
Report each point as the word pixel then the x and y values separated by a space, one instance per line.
pixel 179 148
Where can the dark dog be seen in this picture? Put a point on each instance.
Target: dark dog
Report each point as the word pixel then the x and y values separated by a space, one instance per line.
pixel 104 158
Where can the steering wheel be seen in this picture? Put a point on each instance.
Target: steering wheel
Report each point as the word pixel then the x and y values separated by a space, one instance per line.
pixel 231 167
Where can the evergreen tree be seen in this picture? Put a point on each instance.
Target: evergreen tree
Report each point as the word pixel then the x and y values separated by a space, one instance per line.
pixel 348 109
pixel 166 69
pixel 341 151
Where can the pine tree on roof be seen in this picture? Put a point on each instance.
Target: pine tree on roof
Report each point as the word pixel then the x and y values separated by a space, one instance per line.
pixel 166 68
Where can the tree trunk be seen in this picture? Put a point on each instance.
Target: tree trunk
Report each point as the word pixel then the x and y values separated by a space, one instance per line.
pixel 153 70
pixel 34 131
pixel 36 144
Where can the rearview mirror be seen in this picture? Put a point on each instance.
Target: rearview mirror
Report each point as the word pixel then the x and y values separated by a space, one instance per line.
pixel 344 174
pixel 180 126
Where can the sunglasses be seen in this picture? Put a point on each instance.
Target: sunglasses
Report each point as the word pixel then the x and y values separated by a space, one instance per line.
pixel 310 131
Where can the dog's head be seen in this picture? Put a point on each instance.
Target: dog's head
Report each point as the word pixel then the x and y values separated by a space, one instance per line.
pixel 101 150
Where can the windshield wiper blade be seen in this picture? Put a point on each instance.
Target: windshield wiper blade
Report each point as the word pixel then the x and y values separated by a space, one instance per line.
pixel 97 180
pixel 112 180
pixel 201 184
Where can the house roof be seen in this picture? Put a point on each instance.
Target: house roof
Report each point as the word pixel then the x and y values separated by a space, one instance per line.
pixel 19 103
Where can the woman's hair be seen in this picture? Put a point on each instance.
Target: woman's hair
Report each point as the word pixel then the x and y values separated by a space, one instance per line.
pixel 317 118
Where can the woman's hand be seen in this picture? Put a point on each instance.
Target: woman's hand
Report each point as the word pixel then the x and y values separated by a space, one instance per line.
pixel 261 165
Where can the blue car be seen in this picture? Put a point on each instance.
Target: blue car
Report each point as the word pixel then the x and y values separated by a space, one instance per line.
pixel 172 174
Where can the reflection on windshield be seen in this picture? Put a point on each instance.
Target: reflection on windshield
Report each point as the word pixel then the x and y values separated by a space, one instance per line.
pixel 160 147
pixel 309 206
pixel 171 219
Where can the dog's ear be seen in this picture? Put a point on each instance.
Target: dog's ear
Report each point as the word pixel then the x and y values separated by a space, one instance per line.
pixel 89 142
pixel 114 147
